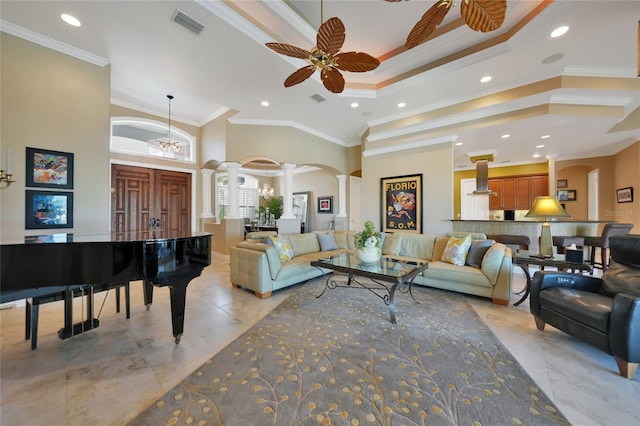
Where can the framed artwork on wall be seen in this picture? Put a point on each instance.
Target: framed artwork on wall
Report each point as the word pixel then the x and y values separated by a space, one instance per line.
pixel 48 210
pixel 624 195
pixel 325 204
pixel 401 203
pixel 49 169
pixel 566 195
pixel 562 183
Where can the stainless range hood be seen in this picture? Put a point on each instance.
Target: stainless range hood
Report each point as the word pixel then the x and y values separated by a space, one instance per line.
pixel 482 174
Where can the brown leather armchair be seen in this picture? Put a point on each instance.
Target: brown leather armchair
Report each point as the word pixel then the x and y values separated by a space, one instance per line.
pixel 604 312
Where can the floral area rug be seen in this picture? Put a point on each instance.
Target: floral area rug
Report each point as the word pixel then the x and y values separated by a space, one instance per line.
pixel 339 360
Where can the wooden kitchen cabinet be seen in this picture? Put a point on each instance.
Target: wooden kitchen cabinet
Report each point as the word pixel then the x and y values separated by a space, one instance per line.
pixel 517 192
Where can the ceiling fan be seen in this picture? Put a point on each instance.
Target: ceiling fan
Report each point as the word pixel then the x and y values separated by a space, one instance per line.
pixel 326 56
pixel 479 15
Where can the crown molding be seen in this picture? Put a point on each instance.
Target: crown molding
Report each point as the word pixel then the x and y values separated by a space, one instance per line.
pixel 409 145
pixel 50 43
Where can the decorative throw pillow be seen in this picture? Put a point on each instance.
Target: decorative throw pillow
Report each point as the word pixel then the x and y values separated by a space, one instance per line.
pixel 391 244
pixel 477 251
pixel 438 248
pixel 456 250
pixel 282 246
pixel 327 242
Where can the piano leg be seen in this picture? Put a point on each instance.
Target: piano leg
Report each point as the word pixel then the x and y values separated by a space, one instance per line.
pixel 147 291
pixel 178 294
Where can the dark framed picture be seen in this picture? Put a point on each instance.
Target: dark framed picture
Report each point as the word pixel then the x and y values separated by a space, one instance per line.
pixel 49 169
pixel 325 204
pixel 562 183
pixel 624 195
pixel 566 195
pixel 401 201
pixel 48 210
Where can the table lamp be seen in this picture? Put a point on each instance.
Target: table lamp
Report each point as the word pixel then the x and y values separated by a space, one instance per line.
pixel 546 207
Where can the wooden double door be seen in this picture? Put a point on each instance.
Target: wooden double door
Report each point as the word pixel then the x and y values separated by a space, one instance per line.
pixel 141 194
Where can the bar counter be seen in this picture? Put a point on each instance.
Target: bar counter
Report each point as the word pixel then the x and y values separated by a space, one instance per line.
pixel 529 228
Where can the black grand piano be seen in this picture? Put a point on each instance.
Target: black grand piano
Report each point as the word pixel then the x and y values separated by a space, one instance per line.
pixel 37 266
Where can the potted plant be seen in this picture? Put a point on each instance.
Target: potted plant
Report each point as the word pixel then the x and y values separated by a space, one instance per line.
pixel 368 243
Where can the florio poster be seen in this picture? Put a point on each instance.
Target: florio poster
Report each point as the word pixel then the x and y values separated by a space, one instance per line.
pixel 401 203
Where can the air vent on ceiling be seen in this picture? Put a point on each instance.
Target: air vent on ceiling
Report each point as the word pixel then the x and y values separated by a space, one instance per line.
pixel 187 22
pixel 318 98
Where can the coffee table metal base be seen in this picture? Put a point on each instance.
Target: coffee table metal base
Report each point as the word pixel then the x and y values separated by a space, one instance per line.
pixel 383 291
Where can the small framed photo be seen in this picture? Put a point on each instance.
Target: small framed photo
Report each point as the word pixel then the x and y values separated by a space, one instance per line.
pixel 566 195
pixel 562 183
pixel 624 195
pixel 49 169
pixel 48 210
pixel 325 204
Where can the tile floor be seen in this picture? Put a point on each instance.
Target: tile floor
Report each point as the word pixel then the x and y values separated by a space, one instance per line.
pixel 108 375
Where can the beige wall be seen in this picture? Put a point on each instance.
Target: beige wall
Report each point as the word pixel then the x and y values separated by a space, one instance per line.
pixel 288 145
pixel 627 173
pixel 577 178
pixel 53 101
pixel 214 139
pixel 320 183
pixel 434 162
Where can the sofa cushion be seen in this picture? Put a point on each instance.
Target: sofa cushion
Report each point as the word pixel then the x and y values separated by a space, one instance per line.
pixel 477 250
pixel 438 248
pixel 282 246
pixel 444 271
pixel 327 241
pixel 341 239
pixel 621 278
pixel 304 243
pixel 456 250
pixel 391 243
pixel 419 246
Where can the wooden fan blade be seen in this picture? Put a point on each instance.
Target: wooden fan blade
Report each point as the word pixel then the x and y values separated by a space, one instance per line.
pixel 355 62
pixel 331 36
pixel 428 23
pixel 483 15
pixel 332 79
pixel 299 76
pixel 289 50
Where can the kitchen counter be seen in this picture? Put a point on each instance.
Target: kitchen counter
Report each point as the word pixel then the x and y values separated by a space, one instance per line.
pixel 492 228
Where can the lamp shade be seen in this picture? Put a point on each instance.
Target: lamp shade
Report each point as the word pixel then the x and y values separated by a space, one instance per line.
pixel 546 207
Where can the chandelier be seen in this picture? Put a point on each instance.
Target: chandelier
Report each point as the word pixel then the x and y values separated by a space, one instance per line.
pixel 167 144
pixel 266 191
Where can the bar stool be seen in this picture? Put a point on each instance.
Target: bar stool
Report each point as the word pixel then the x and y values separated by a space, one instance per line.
pixel 522 241
pixel 562 241
pixel 602 242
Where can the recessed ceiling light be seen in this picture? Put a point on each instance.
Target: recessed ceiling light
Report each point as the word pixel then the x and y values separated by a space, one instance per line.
pixel 536 155
pixel 545 136
pixel 458 143
pixel 560 31
pixel 71 20
pixel 264 103
pixel 539 146
pixel 505 136
pixel 355 105
pixel 402 105
pixel 486 79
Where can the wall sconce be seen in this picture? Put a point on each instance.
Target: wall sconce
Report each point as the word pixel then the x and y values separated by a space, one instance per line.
pixel 5 176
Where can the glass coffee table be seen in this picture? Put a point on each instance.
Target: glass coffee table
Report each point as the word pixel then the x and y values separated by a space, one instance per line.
pixel 523 259
pixel 383 277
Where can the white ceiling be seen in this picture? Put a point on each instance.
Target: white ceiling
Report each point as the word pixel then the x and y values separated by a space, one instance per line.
pixel 227 66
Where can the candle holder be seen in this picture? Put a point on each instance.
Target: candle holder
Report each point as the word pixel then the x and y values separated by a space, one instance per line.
pixel 5 179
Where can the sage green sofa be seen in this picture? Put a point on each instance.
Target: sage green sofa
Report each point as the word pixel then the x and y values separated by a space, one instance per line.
pixel 258 267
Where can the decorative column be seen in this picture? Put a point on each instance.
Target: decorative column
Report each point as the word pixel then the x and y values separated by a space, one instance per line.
pixel 340 221
pixel 287 207
pixel 206 193
pixel 232 184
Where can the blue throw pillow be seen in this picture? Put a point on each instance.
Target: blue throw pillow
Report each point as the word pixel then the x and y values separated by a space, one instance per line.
pixel 327 242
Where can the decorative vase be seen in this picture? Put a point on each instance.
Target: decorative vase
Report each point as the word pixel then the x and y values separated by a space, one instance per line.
pixel 369 254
